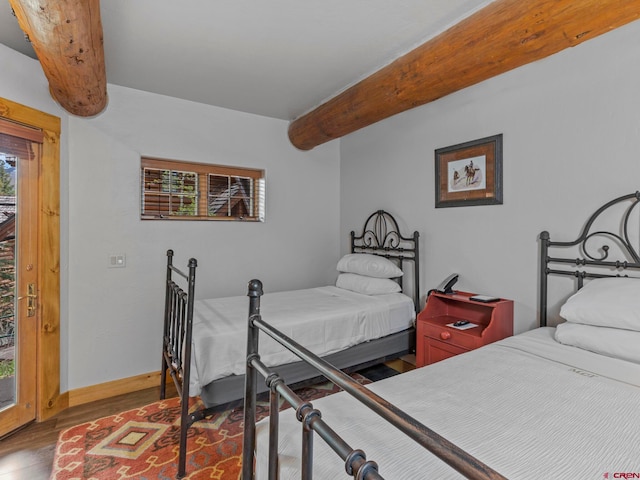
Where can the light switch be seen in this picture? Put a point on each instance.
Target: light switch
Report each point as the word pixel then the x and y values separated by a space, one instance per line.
pixel 118 261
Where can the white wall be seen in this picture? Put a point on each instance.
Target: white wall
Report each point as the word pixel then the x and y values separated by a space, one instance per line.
pixel 115 314
pixel 22 81
pixel 111 318
pixel 571 142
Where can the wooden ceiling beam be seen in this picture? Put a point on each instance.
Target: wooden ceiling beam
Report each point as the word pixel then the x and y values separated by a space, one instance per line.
pixel 67 38
pixel 504 35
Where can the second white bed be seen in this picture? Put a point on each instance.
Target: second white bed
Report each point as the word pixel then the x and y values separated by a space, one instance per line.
pixel 527 406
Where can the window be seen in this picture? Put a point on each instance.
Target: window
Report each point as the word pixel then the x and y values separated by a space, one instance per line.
pixel 199 191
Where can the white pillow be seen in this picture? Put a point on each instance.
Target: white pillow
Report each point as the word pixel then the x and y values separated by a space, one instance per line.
pixel 368 265
pixel 367 285
pixel 611 342
pixel 606 302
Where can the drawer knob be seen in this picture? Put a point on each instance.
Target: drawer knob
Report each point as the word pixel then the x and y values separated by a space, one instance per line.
pixel 445 335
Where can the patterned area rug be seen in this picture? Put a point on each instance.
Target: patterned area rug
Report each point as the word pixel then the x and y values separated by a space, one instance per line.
pixel 143 443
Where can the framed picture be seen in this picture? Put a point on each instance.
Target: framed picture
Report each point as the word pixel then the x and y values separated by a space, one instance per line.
pixel 470 173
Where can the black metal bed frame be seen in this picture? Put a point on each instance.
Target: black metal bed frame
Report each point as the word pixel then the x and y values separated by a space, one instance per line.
pixel 380 236
pixel 176 347
pixel 356 463
pixel 590 263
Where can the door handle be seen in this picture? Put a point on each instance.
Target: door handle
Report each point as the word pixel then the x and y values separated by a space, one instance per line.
pixel 31 299
pixel 32 295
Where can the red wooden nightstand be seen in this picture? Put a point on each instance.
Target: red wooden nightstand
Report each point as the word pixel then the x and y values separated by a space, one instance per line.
pixel 437 340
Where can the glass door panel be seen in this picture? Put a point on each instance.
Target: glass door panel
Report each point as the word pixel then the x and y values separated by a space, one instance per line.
pixel 19 163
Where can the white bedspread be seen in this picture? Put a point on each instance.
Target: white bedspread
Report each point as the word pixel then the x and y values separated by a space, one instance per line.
pixel 324 320
pixel 527 406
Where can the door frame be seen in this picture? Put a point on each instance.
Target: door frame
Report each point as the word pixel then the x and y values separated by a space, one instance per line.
pixel 49 401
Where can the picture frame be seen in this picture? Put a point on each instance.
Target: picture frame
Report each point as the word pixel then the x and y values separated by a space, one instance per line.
pixel 469 173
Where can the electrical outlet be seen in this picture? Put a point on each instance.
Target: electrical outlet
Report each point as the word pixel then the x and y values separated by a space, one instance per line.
pixel 118 261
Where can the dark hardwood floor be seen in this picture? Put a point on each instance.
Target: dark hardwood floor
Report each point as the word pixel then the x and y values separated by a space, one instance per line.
pixel 27 454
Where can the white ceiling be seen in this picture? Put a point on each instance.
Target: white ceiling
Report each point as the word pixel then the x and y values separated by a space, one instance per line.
pixel 277 58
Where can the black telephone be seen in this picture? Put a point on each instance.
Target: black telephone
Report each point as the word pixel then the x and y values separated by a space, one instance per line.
pixel 446 286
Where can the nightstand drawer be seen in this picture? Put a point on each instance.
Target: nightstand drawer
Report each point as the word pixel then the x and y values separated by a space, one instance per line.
pixel 452 336
pixel 436 351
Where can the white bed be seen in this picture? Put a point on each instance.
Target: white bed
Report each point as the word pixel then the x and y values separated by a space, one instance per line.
pixel 527 406
pixel 364 319
pixel 324 319
pixel 553 403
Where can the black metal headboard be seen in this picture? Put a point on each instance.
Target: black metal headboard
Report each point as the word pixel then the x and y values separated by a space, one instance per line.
pixel 381 236
pixel 593 260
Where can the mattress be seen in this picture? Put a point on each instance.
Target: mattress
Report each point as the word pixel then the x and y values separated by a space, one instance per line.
pixel 325 320
pixel 526 406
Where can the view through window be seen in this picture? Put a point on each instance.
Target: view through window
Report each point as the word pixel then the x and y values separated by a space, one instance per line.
pixel 8 166
pixel 185 190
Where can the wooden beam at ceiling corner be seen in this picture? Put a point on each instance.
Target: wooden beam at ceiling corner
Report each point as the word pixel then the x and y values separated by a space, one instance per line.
pixel 504 35
pixel 67 38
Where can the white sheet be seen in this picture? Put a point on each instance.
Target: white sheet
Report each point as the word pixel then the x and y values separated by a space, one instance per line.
pixel 527 406
pixel 324 320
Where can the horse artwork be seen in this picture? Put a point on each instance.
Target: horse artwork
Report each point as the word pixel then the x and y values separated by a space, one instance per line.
pixel 470 173
pixel 467 175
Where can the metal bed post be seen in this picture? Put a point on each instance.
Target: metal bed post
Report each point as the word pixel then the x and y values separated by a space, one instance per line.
pixel 250 383
pixel 307 444
pixel 185 332
pixel 167 303
pixel 274 423
pixel 544 250
pixel 416 271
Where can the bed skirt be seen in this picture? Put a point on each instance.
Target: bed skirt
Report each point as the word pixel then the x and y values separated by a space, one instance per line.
pixel 227 390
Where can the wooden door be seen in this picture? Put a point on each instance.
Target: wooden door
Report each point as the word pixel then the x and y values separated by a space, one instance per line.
pixel 20 153
pixel 29 145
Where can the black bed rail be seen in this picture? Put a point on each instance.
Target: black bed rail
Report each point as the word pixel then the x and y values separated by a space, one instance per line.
pixel 176 346
pixel 594 261
pixel 381 236
pixel 356 464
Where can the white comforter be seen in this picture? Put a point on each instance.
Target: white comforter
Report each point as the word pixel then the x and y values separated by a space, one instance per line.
pixel 527 406
pixel 324 320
